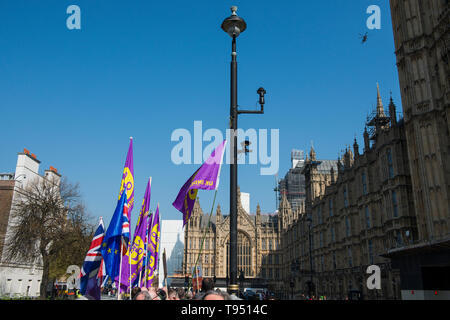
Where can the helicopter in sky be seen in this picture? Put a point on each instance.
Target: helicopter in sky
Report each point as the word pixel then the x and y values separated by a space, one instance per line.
pixel 363 37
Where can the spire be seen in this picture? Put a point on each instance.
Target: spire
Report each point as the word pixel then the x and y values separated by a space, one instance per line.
pixel 348 157
pixel 366 140
pixel 392 112
pixel 332 174
pixel 283 212
pixel 380 109
pixel 197 209
pixel 312 154
pixel 258 210
pixel 284 202
pixel 218 210
pixel 356 148
pixel 339 163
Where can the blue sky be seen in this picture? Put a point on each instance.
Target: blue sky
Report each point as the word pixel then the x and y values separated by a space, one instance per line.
pixel 145 68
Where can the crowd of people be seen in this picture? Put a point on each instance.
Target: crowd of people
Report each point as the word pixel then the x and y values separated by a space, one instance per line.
pixel 207 292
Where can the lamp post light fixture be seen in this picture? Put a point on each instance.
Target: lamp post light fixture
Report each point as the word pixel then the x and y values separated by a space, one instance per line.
pixel 234 26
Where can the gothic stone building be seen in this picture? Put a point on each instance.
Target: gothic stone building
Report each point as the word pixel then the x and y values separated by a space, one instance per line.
pixel 355 212
pixel 422 43
pixel 259 253
pixel 388 206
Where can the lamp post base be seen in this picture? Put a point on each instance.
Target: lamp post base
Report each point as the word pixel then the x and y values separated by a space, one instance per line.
pixel 233 289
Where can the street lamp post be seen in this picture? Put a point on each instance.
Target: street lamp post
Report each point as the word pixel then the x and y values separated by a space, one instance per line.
pixel 309 219
pixel 234 26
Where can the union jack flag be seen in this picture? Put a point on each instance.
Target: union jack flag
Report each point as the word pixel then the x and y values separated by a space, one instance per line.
pixel 125 228
pixel 93 260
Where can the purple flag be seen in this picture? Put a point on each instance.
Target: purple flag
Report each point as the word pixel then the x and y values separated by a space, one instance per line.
pixel 145 268
pixel 153 249
pixel 206 177
pixel 128 179
pixel 132 262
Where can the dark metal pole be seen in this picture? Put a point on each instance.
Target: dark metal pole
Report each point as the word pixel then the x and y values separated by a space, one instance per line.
pixel 233 286
pixel 310 261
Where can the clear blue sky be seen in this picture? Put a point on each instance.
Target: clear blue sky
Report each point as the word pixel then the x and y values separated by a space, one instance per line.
pixel 146 68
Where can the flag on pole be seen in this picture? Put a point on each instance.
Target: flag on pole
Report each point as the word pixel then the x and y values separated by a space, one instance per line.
pixel 146 255
pixel 197 278
pixel 89 282
pixel 206 178
pixel 127 182
pixel 116 238
pixel 132 265
pixel 153 250
pixel 101 271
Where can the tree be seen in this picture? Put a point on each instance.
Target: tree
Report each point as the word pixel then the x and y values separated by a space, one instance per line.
pixel 76 242
pixel 48 224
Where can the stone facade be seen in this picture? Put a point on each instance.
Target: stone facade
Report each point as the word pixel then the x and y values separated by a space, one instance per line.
pixel 355 212
pixel 259 252
pixel 422 42
pixel 387 206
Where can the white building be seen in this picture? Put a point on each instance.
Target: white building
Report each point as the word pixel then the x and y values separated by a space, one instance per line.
pixel 172 240
pixel 19 278
pixel 245 200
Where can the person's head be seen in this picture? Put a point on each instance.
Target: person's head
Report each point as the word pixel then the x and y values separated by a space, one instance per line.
pixel 214 295
pixel 180 292
pixel 134 292
pixel 207 284
pixel 173 295
pixel 161 294
pixel 143 295
pixel 153 294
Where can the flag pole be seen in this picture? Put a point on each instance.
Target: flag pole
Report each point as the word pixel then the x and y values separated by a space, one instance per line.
pixel 158 245
pixel 146 251
pixel 120 269
pixel 129 262
pixel 146 243
pixel 204 235
pixel 140 277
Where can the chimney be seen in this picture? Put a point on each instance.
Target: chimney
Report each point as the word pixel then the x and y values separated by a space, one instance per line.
pixel 52 175
pixel 27 164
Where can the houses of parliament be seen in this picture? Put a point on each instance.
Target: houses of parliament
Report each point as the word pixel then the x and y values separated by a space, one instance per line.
pixel 385 203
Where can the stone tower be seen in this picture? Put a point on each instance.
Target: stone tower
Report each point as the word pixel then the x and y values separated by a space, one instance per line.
pixel 422 42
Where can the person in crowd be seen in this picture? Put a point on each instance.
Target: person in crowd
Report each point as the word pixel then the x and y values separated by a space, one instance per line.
pixel 153 294
pixel 213 295
pixel 173 294
pixel 162 293
pixel 207 284
pixel 134 292
pixel 181 293
pixel 142 295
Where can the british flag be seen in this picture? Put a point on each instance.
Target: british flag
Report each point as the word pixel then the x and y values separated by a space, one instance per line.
pixel 125 228
pixel 93 260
